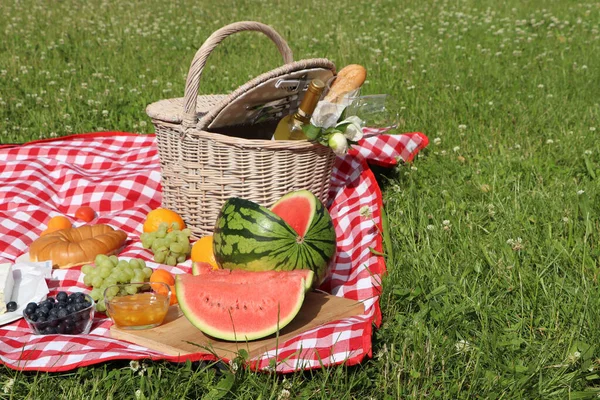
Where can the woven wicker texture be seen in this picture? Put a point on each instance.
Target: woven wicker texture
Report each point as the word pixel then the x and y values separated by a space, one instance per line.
pixel 202 169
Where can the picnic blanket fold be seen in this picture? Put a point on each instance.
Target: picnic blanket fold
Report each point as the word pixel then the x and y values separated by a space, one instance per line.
pixel 118 174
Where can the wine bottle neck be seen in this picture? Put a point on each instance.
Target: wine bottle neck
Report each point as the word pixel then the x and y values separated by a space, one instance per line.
pixel 310 100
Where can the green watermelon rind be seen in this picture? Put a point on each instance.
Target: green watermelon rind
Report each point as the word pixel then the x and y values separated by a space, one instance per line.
pixel 237 335
pixel 251 237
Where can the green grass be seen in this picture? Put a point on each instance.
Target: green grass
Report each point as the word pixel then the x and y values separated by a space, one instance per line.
pixel 494 289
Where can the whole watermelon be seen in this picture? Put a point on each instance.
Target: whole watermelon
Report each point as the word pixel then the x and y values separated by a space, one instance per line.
pixel 251 237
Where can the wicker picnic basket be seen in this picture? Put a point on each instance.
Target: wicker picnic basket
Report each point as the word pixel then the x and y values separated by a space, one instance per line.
pixel 214 147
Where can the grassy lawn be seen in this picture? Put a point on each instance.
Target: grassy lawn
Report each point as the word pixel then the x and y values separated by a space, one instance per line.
pixel 494 289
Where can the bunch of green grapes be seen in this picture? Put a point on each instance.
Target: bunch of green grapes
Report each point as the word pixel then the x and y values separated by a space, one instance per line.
pixel 169 247
pixel 109 271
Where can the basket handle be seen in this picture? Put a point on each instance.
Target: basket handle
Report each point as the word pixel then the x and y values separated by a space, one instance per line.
pixel 192 83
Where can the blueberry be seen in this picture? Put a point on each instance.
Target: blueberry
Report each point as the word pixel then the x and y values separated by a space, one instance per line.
pixel 87 304
pixel 61 328
pixel 61 305
pixel 71 308
pixel 70 328
pixel 44 310
pixel 80 326
pixel 50 331
pixel 53 313
pixel 11 306
pixel 31 306
pixel 41 318
pixel 73 297
pixel 62 312
pixel 62 297
pixel 33 317
pixel 51 299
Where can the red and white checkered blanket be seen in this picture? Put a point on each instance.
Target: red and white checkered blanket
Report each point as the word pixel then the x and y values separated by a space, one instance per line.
pixel 118 174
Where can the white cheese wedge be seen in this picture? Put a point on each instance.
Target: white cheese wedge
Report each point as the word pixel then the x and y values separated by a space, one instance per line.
pixel 7 283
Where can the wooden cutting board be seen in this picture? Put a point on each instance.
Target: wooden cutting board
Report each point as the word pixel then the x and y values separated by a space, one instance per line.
pixel 178 337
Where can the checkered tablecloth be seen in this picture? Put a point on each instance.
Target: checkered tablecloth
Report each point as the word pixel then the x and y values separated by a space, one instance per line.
pixel 118 174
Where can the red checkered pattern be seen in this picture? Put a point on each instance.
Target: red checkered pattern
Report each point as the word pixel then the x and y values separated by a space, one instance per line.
pixel 118 174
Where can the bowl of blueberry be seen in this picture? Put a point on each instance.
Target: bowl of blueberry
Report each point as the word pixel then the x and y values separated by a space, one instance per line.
pixel 65 314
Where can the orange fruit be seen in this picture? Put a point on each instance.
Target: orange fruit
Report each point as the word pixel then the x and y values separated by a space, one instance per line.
pixel 202 251
pixel 57 223
pixel 160 215
pixel 164 276
pixel 85 213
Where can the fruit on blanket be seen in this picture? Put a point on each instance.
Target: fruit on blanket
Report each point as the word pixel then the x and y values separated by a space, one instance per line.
pixel 241 276
pixel 202 251
pixel 77 246
pixel 110 271
pixel 69 314
pixel 85 213
pixel 251 237
pixel 163 276
pixel 162 215
pixel 169 247
pixel 57 223
pixel 239 311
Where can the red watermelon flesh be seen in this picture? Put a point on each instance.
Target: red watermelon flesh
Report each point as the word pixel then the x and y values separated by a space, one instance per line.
pixel 297 209
pixel 242 276
pixel 239 311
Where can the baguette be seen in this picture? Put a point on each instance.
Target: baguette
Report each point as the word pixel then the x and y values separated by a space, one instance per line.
pixel 350 78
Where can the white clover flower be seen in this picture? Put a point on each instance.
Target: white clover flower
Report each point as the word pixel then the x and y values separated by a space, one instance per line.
pixel 580 192
pixel 462 127
pixel 365 211
pixel 592 128
pixel 549 141
pixel 455 149
pixel 134 365
pixel 462 346
pixel 284 394
pixel 7 388
pixel 430 227
pixel 587 152
pixel 437 141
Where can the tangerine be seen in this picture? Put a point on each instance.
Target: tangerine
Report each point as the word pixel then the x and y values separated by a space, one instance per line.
pixel 57 223
pixel 202 251
pixel 160 215
pixel 164 276
pixel 85 213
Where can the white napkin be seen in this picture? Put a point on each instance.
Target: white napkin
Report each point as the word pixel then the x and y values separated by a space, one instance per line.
pixel 30 281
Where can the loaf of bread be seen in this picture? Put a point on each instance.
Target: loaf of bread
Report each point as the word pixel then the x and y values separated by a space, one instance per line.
pixel 77 246
pixel 350 78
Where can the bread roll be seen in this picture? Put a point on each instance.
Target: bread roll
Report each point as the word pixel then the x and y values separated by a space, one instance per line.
pixel 350 78
pixel 77 246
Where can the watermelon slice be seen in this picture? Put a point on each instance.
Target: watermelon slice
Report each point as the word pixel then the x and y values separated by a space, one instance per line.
pixel 243 310
pixel 297 209
pixel 241 276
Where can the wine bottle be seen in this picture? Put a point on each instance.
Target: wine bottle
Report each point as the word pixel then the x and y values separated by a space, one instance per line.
pixel 290 126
